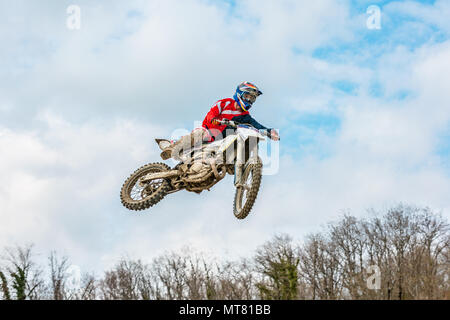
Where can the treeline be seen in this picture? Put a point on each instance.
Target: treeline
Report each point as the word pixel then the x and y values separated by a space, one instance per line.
pixel 402 254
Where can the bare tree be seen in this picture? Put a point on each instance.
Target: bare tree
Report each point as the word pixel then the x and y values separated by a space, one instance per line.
pixel 235 280
pixel 408 244
pixel 58 274
pixel 319 264
pixel 88 289
pixel 170 271
pixel 349 241
pixel 125 281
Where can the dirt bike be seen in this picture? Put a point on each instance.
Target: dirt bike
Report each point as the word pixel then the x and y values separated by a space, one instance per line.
pixel 200 168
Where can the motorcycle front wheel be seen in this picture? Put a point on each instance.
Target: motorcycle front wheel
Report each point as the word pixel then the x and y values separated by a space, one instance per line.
pixel 246 194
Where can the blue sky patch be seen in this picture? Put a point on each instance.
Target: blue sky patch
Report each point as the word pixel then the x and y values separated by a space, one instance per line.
pixel 376 89
pixel 346 86
pixel 134 14
pixel 443 147
pixel 300 136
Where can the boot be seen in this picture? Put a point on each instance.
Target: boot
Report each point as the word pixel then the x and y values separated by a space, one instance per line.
pixel 186 142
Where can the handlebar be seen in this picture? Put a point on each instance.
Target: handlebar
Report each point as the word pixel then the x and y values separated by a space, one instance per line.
pixel 234 124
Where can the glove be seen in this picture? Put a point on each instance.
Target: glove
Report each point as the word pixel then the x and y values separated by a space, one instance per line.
pixel 215 121
pixel 274 135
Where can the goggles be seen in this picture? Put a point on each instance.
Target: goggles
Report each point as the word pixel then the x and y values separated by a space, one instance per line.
pixel 249 97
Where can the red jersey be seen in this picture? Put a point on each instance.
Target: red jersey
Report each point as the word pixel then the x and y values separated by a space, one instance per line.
pixel 222 109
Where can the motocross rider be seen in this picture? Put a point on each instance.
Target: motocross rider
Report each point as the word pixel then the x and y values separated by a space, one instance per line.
pixel 235 109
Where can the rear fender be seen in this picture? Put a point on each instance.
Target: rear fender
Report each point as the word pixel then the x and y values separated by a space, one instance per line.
pixel 159 175
pixel 163 143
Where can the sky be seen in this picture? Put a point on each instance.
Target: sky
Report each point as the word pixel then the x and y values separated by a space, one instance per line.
pixel 363 114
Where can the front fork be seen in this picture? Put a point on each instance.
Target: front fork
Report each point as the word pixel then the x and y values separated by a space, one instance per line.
pixel 240 164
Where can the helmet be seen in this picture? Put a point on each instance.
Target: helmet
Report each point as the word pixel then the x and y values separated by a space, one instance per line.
pixel 246 94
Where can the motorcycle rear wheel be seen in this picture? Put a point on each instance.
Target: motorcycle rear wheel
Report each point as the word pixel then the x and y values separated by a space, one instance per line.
pixel 137 196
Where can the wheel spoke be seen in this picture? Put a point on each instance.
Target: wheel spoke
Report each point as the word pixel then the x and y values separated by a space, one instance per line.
pixel 139 192
pixel 244 198
pixel 245 189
